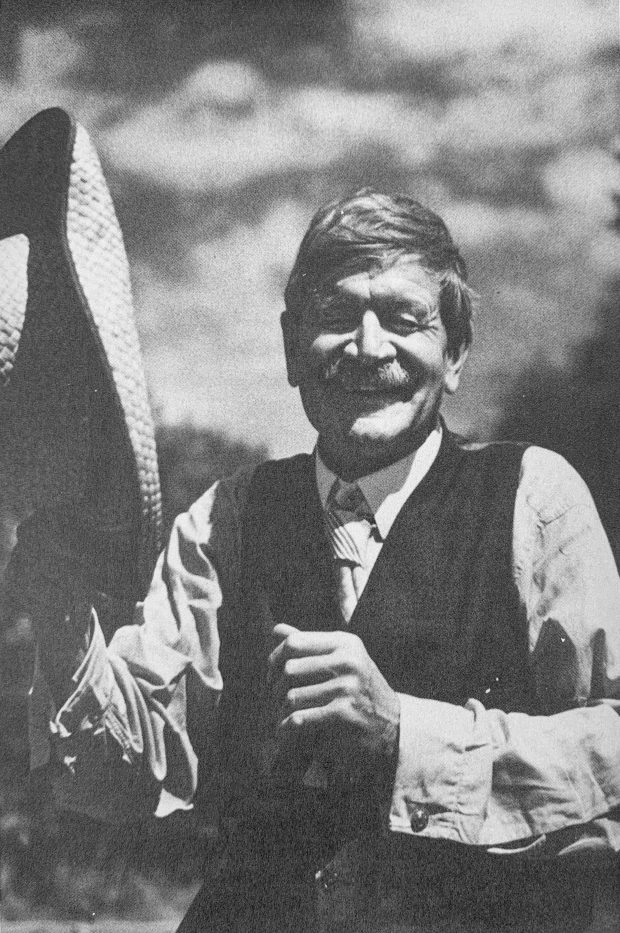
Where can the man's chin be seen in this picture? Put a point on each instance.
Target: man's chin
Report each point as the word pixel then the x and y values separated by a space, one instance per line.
pixel 372 427
pixel 365 446
pixel 395 428
pixel 368 434
pixel 362 445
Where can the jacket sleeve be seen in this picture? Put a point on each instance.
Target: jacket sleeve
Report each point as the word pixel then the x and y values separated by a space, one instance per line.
pixel 120 745
pixel 546 782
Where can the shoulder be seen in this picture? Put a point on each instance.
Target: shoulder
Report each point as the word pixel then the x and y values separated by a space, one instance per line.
pixel 549 486
pixel 488 456
pixel 557 531
pixel 495 453
pixel 214 518
pixel 225 497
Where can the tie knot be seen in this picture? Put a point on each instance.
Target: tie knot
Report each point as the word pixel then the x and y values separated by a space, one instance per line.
pixel 349 498
pixel 348 521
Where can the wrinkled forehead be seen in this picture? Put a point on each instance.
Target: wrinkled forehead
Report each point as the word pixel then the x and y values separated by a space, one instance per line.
pixel 403 273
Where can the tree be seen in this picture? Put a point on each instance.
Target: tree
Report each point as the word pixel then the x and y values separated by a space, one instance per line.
pixel 577 412
pixel 191 459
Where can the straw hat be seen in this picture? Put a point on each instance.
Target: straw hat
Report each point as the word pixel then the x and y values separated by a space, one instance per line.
pixel 76 433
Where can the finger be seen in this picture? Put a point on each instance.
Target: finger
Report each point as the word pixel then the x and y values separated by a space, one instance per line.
pixel 300 672
pixel 279 634
pixel 311 695
pixel 312 669
pixel 282 630
pixel 311 719
pixel 300 644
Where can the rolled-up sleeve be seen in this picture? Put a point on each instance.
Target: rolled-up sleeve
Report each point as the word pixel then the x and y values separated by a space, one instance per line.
pixel 491 778
pixel 119 744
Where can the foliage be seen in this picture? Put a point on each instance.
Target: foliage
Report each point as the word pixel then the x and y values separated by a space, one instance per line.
pixel 191 459
pixel 576 411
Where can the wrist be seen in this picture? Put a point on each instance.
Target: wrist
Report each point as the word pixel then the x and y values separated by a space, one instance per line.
pixel 388 761
pixel 390 735
pixel 390 741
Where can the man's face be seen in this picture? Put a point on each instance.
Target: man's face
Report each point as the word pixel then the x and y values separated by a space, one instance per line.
pixel 370 358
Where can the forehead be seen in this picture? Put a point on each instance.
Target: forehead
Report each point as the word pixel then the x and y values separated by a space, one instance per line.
pixel 406 280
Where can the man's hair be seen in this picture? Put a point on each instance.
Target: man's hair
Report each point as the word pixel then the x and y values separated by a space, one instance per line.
pixel 369 229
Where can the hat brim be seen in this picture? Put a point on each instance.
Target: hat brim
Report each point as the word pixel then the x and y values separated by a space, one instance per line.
pixel 69 354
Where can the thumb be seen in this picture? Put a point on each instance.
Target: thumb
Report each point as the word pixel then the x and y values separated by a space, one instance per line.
pixel 282 631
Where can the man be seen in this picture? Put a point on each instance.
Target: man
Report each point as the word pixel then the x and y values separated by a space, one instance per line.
pixel 398 659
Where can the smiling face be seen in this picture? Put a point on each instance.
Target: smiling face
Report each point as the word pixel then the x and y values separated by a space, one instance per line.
pixel 370 358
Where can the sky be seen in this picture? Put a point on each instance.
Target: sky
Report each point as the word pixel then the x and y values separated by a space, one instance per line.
pixel 222 127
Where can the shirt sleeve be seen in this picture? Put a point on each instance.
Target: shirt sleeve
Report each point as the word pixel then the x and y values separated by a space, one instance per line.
pixel 490 778
pixel 120 743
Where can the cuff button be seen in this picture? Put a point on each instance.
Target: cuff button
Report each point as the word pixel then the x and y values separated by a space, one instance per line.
pixel 419 819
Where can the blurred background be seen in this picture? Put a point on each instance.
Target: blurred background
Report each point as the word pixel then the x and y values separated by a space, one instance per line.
pixel 221 127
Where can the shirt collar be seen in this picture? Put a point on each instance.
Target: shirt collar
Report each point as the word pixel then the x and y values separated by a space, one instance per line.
pixel 386 490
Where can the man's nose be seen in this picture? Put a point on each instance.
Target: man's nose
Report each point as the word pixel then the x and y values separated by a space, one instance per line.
pixel 370 340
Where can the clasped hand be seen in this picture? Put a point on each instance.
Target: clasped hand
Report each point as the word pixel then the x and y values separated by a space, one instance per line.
pixel 328 686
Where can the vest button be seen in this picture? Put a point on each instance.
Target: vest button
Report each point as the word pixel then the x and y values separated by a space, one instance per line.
pixel 419 819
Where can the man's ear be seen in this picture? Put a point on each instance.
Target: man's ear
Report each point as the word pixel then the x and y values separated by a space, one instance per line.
pixel 454 366
pixel 290 335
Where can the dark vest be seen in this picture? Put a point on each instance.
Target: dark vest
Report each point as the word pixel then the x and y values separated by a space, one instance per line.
pixel 440 616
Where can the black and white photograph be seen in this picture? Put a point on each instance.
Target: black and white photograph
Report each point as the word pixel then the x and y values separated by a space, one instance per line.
pixel 309 466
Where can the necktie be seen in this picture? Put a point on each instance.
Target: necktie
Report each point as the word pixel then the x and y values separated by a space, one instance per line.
pixel 349 523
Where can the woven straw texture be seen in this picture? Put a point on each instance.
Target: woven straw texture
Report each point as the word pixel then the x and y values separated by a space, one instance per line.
pixel 75 423
pixel 96 245
pixel 13 297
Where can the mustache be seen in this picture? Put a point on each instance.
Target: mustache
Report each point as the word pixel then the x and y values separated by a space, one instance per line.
pixel 355 376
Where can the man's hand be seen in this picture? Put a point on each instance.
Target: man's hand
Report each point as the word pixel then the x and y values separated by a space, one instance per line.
pixel 44 581
pixel 330 687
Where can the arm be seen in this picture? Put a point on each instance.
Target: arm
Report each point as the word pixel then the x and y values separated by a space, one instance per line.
pixel 119 736
pixel 489 778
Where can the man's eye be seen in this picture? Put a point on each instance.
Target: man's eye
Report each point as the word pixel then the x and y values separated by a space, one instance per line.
pixel 403 323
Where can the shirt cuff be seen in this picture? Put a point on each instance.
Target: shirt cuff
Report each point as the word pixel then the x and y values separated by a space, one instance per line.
pixel 444 769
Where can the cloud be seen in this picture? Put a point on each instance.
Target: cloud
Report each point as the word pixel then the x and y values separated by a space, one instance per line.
pixel 447 28
pixel 47 58
pixel 583 180
pixel 201 139
pixel 478 225
pixel 212 342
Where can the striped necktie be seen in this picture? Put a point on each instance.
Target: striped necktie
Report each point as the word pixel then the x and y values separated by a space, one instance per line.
pixel 349 523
